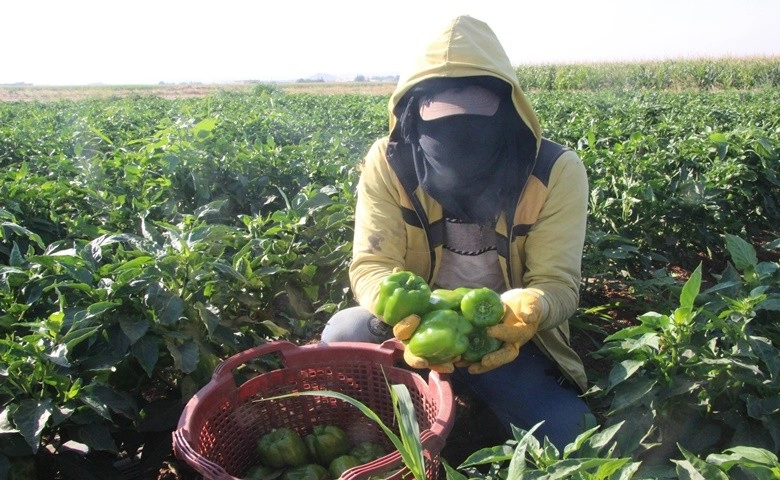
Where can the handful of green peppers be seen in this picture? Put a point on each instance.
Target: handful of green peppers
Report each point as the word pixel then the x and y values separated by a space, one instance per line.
pixel 452 324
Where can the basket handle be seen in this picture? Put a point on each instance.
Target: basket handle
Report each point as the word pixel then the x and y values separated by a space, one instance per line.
pixel 227 366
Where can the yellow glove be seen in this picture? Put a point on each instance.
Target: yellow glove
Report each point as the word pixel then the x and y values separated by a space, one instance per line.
pixel 419 362
pixel 522 313
pixel 404 329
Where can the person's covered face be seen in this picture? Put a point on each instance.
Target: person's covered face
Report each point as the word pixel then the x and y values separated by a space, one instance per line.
pixel 460 134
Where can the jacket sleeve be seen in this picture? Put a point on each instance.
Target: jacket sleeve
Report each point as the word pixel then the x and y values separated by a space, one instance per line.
pixel 553 248
pixel 380 235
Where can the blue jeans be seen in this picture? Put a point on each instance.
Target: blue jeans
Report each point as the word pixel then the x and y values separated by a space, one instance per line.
pixel 521 393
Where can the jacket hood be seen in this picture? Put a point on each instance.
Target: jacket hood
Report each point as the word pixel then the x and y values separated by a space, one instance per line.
pixel 466 47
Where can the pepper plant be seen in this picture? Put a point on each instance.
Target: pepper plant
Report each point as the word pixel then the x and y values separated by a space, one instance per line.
pixel 736 462
pixel 591 456
pixel 92 327
pixel 706 376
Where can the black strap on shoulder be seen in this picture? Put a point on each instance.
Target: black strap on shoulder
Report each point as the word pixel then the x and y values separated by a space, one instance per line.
pixel 548 154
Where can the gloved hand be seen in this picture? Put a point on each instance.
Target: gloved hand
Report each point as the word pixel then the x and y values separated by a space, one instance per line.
pixel 522 314
pixel 403 330
pixel 419 362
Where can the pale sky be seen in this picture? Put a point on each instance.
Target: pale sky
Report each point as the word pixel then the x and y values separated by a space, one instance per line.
pixel 79 42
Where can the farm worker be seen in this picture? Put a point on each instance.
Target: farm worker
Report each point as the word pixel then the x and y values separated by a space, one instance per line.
pixel 466 192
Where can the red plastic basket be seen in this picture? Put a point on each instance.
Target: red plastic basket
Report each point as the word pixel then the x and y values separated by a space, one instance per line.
pixel 220 426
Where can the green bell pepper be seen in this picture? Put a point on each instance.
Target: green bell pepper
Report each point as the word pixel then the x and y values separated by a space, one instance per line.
pixel 443 299
pixel 310 471
pixel 482 307
pixel 327 442
pixel 367 452
pixel 402 294
pixel 441 336
pixel 258 472
pixel 282 447
pixel 341 464
pixel 480 344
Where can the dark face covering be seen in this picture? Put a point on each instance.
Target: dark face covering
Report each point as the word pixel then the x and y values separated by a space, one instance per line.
pixel 474 165
pixel 461 163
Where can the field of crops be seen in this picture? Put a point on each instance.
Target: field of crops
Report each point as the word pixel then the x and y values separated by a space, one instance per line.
pixel 144 239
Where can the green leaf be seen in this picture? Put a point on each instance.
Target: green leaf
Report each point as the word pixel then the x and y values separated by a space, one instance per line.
pixel 721 144
pixel 30 418
pixel 409 430
pixel 212 208
pixel 147 351
pixel 318 200
pixel 451 473
pixel 95 435
pixel 203 128
pixel 133 264
pixel 150 232
pixel 566 469
pixel 229 272
pixel 485 456
pixel 168 307
pixel 59 356
pixel 96 309
pixel 610 467
pixel 629 332
pixel 764 148
pixel 579 442
pixel 694 468
pixel 771 304
pixel 742 253
pixel 77 335
pixel 100 134
pixel 22 232
pixel 209 316
pixel 654 320
pixel 745 456
pixel 6 424
pixel 593 444
pixel 185 356
pixel 633 393
pixel 109 397
pixel 767 352
pixel 517 464
pixel 16 259
pixel 762 407
pixel 134 327
pixel 688 296
pixel 623 371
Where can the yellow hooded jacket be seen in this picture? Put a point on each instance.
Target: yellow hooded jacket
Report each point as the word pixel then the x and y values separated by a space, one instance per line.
pixel 541 248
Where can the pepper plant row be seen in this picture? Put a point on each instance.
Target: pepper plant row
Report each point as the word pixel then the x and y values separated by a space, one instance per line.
pixel 142 240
